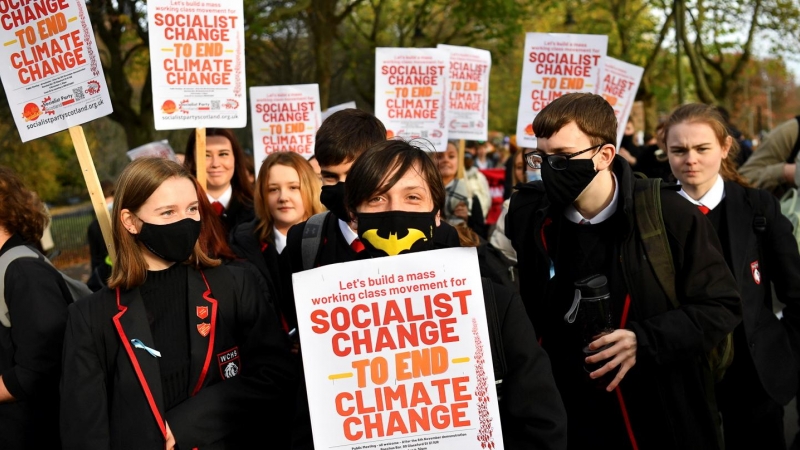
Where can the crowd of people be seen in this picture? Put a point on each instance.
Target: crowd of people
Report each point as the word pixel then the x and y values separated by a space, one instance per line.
pixel 639 312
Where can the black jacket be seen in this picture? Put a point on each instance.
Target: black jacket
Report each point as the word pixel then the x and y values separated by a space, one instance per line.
pixel 235 214
pixel 30 352
pixel 772 343
pixel 112 391
pixel 246 245
pixel 665 393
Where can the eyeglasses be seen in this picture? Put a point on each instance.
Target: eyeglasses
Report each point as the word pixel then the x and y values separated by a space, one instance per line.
pixel 559 161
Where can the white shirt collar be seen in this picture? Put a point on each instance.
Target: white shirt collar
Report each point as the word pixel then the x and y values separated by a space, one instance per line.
pixel 280 240
pixel 574 216
pixel 225 198
pixel 712 198
pixel 347 232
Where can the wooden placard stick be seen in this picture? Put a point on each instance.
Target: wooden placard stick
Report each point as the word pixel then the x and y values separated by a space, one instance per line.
pixel 200 155
pixel 461 149
pixel 93 184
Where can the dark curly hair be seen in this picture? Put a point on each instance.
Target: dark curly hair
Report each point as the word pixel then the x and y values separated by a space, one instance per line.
pixel 22 212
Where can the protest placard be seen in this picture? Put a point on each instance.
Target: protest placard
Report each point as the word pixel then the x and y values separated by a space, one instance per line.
pixel 52 76
pixel 397 354
pixel 410 93
pixel 619 82
pixel 157 149
pixel 554 65
pixel 197 62
pixel 467 106
pixel 333 109
pixel 285 119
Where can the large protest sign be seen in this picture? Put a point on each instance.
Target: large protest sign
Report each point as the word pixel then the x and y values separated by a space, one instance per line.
pixel 197 62
pixel 554 65
pixel 52 73
pixel 619 82
pixel 285 119
pixel 397 354
pixel 410 93
pixel 467 106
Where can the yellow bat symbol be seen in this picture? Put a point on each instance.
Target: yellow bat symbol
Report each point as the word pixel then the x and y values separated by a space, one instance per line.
pixel 393 246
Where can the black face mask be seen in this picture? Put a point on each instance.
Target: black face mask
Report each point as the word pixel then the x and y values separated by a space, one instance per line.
pixel 172 242
pixel 564 186
pixel 333 199
pixel 395 232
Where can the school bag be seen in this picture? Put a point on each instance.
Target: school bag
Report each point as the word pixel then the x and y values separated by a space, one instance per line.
pixel 790 207
pixel 650 221
pixel 309 248
pixel 76 288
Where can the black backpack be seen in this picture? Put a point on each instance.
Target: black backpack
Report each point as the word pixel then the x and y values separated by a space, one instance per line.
pixel 649 219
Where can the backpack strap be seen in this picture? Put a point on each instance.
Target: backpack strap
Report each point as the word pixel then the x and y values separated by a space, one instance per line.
pixel 312 235
pixel 759 223
pixel 20 251
pixel 495 335
pixel 650 221
pixel 796 148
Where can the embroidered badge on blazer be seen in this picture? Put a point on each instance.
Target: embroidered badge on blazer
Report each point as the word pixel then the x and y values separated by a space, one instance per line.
pixel 204 329
pixel 202 312
pixel 229 364
pixel 755 271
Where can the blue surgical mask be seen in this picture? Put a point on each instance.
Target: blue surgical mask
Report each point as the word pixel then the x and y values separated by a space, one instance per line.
pixel 533 175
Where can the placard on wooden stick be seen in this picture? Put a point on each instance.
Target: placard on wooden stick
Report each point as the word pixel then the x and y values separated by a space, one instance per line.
pixel 93 184
pixel 53 80
pixel 200 156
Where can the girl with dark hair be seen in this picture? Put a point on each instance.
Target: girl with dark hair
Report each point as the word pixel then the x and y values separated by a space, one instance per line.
pixel 228 185
pixel 761 251
pixel 178 349
pixel 32 329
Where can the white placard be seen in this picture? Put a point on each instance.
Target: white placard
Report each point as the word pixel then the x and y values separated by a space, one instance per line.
pixel 52 74
pixel 157 149
pixel 285 119
pixel 467 106
pixel 333 109
pixel 410 93
pixel 554 65
pixel 619 82
pixel 400 342
pixel 197 62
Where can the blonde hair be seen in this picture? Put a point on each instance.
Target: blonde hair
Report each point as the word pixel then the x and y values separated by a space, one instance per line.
pixel 135 185
pixel 310 188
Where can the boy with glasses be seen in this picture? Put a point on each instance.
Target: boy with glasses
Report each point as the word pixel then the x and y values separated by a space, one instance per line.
pixel 638 381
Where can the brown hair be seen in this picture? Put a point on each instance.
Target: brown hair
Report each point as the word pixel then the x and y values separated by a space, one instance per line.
pixel 709 115
pixel 345 135
pixel 22 212
pixel 135 185
pixel 593 115
pixel 310 188
pixel 370 172
pixel 241 186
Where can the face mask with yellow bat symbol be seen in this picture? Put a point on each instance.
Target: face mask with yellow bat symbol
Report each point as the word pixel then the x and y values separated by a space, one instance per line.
pixel 391 233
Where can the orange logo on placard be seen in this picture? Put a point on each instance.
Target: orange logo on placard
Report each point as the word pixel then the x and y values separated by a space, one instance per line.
pixel 169 107
pixel 529 130
pixel 31 112
pixel 389 134
pixel 610 99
